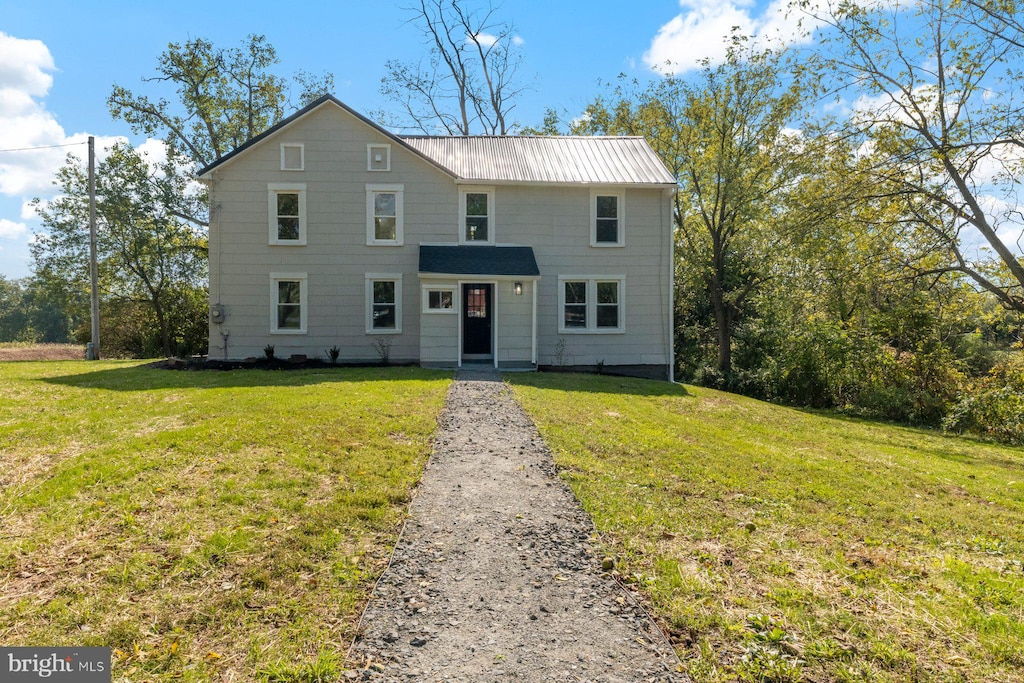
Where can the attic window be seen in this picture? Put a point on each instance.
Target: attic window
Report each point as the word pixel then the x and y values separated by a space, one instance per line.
pixel 378 157
pixel 293 157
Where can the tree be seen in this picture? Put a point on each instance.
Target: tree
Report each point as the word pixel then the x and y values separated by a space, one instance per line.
pixel 147 255
pixel 467 83
pixel 724 137
pixel 942 123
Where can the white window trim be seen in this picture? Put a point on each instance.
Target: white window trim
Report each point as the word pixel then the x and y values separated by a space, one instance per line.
pixel 303 301
pixel 302 156
pixel 591 281
pixel 272 191
pixel 621 206
pixel 426 289
pixel 369 157
pixel 473 189
pixel 375 277
pixel 371 233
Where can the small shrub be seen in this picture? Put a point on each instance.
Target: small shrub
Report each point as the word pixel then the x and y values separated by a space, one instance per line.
pixel 268 351
pixel 332 355
pixel 382 345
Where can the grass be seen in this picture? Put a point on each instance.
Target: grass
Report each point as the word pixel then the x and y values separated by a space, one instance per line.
pixel 784 545
pixel 208 526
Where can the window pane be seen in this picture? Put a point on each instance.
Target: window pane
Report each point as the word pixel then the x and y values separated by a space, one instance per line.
pixel 476 204
pixel 384 228
pixel 287 228
pixel 607 230
pixel 289 317
pixel 476 228
pixel 383 293
pixel 287 204
pixel 607 292
pixel 608 207
pixel 575 292
pixel 608 315
pixel 575 315
pixel 384 204
pixel 384 316
pixel 439 299
pixel 288 291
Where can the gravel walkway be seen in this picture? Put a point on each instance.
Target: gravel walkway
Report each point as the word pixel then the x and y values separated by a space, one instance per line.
pixel 494 578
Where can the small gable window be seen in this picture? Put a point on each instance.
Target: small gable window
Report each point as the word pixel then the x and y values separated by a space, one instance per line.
pixel 293 157
pixel 378 157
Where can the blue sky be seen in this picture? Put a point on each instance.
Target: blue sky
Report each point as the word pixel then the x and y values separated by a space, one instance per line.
pixel 58 61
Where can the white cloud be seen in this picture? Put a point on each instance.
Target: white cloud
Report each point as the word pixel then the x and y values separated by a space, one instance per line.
pixel 518 40
pixel 10 230
pixel 701 31
pixel 25 79
pixel 485 39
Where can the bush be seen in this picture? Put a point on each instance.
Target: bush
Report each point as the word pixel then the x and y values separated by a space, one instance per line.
pixel 993 407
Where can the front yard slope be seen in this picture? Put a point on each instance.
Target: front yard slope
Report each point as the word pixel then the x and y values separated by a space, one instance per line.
pixel 208 526
pixel 783 545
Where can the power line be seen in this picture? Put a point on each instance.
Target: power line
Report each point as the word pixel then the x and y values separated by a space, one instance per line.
pixel 29 149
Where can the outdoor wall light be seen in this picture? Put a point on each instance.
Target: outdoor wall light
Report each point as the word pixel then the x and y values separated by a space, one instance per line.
pixel 517 288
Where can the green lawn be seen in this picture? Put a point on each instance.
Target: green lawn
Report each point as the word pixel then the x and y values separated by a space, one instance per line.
pixel 207 525
pixel 784 545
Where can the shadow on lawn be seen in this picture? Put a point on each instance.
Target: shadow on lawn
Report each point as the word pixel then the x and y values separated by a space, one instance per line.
pixel 597 384
pixel 152 377
pixel 155 376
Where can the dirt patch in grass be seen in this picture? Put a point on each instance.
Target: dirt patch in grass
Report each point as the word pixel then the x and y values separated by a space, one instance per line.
pixel 782 546
pixel 41 352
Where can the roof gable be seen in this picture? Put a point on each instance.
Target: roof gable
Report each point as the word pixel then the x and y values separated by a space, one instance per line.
pixel 572 160
pixel 316 104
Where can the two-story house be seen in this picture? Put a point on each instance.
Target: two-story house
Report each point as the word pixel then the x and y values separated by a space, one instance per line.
pixel 522 252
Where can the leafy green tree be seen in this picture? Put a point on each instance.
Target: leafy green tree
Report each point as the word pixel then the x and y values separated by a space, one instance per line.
pixel 724 136
pixel 147 255
pixel 942 123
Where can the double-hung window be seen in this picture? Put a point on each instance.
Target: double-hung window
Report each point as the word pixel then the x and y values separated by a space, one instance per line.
pixel 383 303
pixel 590 304
pixel 384 219
pixel 288 298
pixel 476 216
pixel 286 206
pixel 607 212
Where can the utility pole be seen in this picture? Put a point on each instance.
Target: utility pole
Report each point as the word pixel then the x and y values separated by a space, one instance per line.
pixel 93 351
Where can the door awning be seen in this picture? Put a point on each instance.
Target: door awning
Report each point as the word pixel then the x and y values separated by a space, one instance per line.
pixel 478 260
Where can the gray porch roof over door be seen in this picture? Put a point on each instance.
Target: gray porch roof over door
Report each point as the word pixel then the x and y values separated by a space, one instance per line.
pixel 507 261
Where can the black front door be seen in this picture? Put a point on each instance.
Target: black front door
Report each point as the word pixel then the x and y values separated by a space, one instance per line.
pixel 476 321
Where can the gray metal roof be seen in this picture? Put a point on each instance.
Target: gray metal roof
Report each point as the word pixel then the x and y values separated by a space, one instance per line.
pixel 526 159
pixel 478 260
